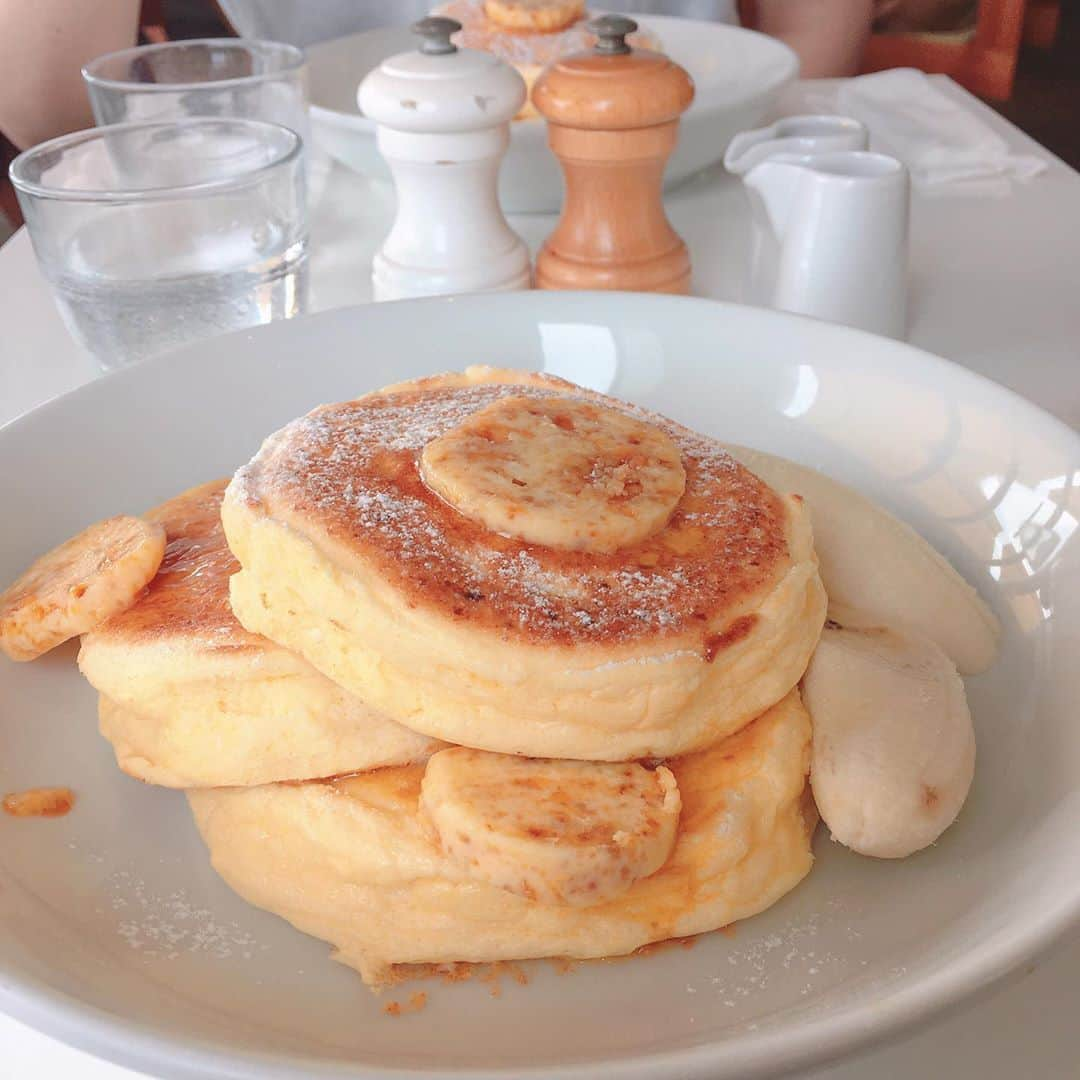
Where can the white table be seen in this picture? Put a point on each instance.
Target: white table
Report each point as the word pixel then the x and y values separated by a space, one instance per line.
pixel 995 288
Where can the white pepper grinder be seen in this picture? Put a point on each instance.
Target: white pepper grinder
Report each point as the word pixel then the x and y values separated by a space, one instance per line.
pixel 443 121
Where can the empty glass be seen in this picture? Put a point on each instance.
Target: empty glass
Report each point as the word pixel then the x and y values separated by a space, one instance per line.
pixel 153 235
pixel 260 80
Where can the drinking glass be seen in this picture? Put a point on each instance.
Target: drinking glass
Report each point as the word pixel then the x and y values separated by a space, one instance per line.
pixel 259 80
pixel 153 235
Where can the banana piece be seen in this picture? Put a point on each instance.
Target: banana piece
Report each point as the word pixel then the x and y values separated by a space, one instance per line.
pixel 535 16
pixel 872 563
pixel 560 832
pixel 78 585
pixel 893 745
pixel 561 472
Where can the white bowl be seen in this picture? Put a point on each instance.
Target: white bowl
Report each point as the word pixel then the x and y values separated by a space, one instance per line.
pixel 116 935
pixel 738 74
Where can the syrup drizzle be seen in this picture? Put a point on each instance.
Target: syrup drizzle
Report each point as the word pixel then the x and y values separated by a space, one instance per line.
pixel 39 802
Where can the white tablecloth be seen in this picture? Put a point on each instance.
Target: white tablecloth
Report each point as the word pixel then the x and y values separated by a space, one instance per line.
pixel 996 287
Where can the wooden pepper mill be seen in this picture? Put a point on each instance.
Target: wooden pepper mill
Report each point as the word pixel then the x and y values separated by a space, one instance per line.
pixel 613 121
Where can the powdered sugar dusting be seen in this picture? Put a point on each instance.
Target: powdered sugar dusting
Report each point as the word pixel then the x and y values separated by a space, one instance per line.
pixel 350 472
pixel 159 925
pixel 789 956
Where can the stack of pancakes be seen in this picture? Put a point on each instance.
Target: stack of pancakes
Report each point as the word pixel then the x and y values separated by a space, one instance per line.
pixel 491 667
pixel 528 34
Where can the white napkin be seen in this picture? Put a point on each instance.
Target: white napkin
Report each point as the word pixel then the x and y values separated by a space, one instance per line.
pixel 942 143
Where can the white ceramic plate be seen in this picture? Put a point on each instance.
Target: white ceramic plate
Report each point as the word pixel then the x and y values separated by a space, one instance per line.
pixel 115 934
pixel 737 73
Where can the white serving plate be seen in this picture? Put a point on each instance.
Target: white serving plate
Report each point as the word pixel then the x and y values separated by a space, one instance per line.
pixel 738 74
pixel 116 936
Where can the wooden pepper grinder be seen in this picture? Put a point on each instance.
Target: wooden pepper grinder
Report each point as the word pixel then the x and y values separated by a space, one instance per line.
pixel 613 121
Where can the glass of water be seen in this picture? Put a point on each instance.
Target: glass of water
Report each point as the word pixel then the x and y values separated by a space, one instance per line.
pixel 260 80
pixel 153 235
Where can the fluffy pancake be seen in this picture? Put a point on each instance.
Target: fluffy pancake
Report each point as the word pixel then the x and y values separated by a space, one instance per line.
pixel 544 15
pixel 529 49
pixel 354 862
pixel 658 648
pixel 190 698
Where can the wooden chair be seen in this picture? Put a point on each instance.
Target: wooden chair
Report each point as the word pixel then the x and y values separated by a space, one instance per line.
pixel 983 61
pixel 1041 23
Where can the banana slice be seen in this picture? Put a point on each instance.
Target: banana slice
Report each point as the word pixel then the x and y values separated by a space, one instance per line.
pixel 893 746
pixel 78 585
pixel 874 564
pixel 560 472
pixel 544 16
pixel 561 832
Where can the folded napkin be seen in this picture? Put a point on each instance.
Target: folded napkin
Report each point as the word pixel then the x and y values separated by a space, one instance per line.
pixel 943 144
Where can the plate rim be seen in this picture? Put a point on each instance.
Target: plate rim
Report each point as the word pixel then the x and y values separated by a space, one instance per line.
pixel 140 1045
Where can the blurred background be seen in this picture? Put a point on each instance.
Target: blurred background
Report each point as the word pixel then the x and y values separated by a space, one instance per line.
pixel 1021 56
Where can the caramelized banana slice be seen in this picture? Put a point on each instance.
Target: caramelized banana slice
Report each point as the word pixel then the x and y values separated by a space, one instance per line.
pixel 543 16
pixel 564 473
pixel 78 585
pixel 872 563
pixel 561 832
pixel 893 745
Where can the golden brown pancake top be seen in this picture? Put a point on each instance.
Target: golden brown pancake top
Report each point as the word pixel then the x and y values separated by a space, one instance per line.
pixel 189 596
pixel 347 476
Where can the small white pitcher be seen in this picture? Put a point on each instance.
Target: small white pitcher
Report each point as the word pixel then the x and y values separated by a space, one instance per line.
pixel 832 237
pixel 810 133
pixel 830 222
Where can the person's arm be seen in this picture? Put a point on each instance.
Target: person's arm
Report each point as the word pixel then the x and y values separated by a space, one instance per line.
pixel 828 35
pixel 43 46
